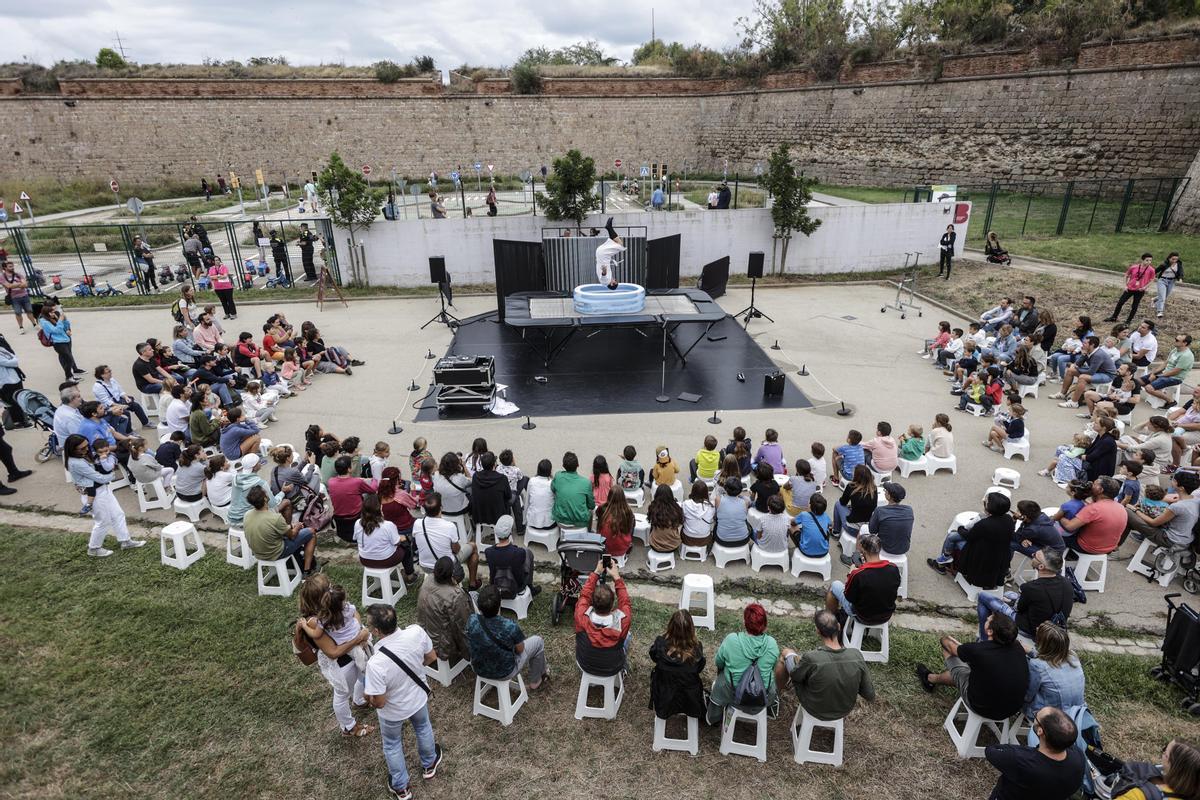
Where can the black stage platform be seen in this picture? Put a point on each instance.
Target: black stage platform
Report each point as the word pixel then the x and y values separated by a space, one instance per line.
pixel 613 365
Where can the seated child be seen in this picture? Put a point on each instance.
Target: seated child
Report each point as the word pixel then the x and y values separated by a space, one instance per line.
pixel 881 452
pixel 938 342
pixel 912 443
pixel 771 452
pixel 665 470
pixel 1131 488
pixel 707 461
pixel 772 536
pixel 1080 491
pixel 417 457
pixel 817 463
pixel 630 474
pixel 379 460
pixel 1152 503
pixel 810 529
pixel 1010 430
pixel 849 455
pixel 1067 464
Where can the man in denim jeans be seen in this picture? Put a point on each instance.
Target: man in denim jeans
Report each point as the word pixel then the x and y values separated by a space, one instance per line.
pixel 396 687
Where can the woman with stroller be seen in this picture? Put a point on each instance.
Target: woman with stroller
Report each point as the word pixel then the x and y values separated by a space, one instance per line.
pixel 11 382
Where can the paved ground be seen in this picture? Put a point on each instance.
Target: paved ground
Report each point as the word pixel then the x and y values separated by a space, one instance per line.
pixel 853 351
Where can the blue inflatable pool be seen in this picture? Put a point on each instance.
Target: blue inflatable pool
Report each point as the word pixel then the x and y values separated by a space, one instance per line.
pixel 593 298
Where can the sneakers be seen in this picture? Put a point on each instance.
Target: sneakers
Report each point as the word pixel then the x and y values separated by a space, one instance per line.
pixel 1045 473
pixel 431 770
pixel 99 552
pixel 1068 404
pixel 133 544
pixel 1058 396
pixel 87 509
pixel 1115 556
pixel 399 794
pixel 1084 415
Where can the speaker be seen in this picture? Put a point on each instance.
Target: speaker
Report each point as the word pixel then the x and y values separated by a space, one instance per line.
pixel 755 268
pixel 437 269
pixel 773 383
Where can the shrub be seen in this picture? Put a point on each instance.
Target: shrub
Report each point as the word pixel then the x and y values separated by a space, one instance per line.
pixel 388 71
pixel 526 80
pixel 108 58
pixel 424 64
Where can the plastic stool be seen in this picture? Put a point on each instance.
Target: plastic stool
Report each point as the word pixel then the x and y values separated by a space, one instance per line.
pixel 1009 478
pixel 179 545
pixel 901 563
pixel 803 725
pixel 1138 565
pixel 237 550
pixel 1025 389
pixel 382 585
pixel 641 528
pixel 966 741
pixel 935 464
pixel 150 403
pixel 690 744
pixel 1084 565
pixel 760 558
pixel 723 555
pixel 657 562
pixel 909 467
pixel 192 509
pixel 614 693
pixel 729 725
pixel 286 573
pixel 702 585
pixel 519 605
pixel 823 566
pixel 855 633
pixel 688 552
pixel 506 707
pixel 546 537
pixel 973 591
pixel 443 673
pixel 1020 447
pixel 153 495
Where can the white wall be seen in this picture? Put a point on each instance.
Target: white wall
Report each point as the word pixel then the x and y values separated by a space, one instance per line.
pixel 851 239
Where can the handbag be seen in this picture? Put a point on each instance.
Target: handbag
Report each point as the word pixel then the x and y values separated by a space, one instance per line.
pixel 303 648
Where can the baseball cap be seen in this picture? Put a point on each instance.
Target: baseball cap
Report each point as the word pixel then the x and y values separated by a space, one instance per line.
pixel 504 527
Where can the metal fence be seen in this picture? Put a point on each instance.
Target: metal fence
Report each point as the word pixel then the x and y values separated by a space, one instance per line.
pixel 98 258
pixel 1043 209
pixel 571 257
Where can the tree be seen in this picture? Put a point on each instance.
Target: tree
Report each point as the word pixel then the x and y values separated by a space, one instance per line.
pixel 791 194
pixel 108 58
pixel 344 193
pixel 526 80
pixel 267 61
pixel 568 194
pixel 423 63
pixel 583 54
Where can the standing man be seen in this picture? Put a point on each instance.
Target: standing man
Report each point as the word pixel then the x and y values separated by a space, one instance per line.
pixel 310 194
pixel 307 242
pixel 143 258
pixel 18 293
pixel 205 189
pixel 191 251
pixel 221 184
pixel 1139 275
pixel 946 248
pixel 279 253
pixel 396 689
pixel 657 199
pixel 491 201
pixel 200 231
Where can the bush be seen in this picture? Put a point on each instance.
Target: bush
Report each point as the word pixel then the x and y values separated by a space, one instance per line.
pixel 388 71
pixel 424 64
pixel 108 58
pixel 526 80
pixel 36 79
pixel 826 62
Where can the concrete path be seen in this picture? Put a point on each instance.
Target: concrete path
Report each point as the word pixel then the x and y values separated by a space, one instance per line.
pixel 832 200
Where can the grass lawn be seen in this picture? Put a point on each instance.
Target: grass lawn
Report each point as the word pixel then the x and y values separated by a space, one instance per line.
pixel 180 211
pixel 1115 251
pixel 746 198
pixel 51 198
pixel 127 678
pixel 865 194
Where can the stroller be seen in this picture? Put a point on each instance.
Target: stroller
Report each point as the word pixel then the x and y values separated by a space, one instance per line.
pixel 577 554
pixel 40 411
pixel 1181 653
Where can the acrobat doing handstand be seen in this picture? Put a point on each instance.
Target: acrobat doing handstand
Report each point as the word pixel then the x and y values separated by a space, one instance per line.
pixel 608 257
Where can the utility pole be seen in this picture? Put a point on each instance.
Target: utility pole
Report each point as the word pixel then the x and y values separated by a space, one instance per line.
pixel 652 24
pixel 120 46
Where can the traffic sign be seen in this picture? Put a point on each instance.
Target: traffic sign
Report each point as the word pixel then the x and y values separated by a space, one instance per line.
pixel 454 176
pixel 366 169
pixel 490 166
pixel 617 163
pixel 135 206
pixel 24 196
pixel 258 177
pixel 116 187
pixel 234 181
pixel 645 171
pixel 17 208
pixel 478 166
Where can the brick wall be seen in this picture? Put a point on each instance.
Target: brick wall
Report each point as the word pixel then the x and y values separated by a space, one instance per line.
pixel 248 87
pixel 1187 212
pixel 1167 50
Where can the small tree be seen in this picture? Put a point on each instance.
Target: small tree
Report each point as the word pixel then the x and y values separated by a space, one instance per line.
pixel 423 63
pixel 344 193
pixel 108 58
pixel 568 194
pixel 526 80
pixel 791 194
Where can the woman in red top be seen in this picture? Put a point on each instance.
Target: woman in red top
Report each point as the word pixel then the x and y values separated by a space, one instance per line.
pixel 614 521
pixel 248 354
pixel 602 480
pixel 222 284
pixel 346 496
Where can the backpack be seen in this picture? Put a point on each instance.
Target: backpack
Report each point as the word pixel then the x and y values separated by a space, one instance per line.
pixel 506 583
pixel 750 691
pixel 44 339
pixel 1139 775
pixel 1080 595
pixel 630 480
pixel 176 312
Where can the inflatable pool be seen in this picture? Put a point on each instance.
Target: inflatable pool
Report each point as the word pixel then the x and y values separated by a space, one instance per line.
pixel 593 298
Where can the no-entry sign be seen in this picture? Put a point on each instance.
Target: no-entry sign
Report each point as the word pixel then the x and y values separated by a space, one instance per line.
pixel 617 163
pixel 366 169
pixel 116 187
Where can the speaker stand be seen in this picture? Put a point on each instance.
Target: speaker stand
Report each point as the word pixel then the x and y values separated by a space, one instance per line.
pixel 448 319
pixel 751 311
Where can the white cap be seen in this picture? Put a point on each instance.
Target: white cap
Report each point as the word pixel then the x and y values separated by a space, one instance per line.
pixel 250 462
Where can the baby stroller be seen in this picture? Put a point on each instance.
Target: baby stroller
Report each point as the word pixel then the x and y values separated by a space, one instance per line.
pixel 165 275
pixel 577 554
pixel 40 411
pixel 1181 653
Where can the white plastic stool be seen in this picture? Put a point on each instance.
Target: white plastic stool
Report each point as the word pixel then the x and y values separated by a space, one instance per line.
pixel 823 566
pixel 1138 565
pixel 689 744
pixel 848 542
pixel 997 490
pixel 966 741
pixel 163 432
pixel 701 585
pixel 506 707
pixel 755 518
pixel 677 487
pixel 856 631
pixel 723 555
pixel 641 528
pixel 1083 567
pixel 729 725
pixel 382 585
pixel 688 552
pixel 192 509
pixel 153 495
pixel 935 463
pixel 909 467
pixel 976 410
pixel 220 511
pixel 1103 389
pixel 1154 402
pixel 614 693
pixel 443 673
pixel 635 497
pixel 150 403
pixel 279 577
pixel 179 545
pixel 1008 478
pixel 237 550
pixel 972 591
pixel 1020 447
pixel 657 562
pixel 1025 389
pixel 964 519
pixel 803 725
pixel 760 558
pixel 546 537
pixel 519 605
pixel 482 530
pixel 460 522
pixel 901 563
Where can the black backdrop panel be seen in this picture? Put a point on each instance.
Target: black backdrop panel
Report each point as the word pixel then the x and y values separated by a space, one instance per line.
pixel 519 268
pixel 714 276
pixel 662 263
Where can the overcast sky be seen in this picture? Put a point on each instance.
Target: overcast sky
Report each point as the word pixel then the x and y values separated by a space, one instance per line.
pixel 476 32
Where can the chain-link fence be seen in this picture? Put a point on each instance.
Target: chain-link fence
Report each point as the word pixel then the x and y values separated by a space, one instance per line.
pixel 99 259
pixel 1044 209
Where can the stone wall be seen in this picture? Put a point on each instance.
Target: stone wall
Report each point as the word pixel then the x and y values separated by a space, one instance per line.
pixel 248 87
pixel 1187 212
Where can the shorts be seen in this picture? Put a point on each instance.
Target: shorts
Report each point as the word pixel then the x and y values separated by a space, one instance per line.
pixel 1165 383
pixel 22 305
pixel 960 673
pixel 1101 377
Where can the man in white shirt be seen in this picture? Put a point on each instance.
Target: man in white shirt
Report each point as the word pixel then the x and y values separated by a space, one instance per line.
pixel 1143 345
pixel 437 537
pixel 396 688
pixel 179 409
pixel 996 316
pixel 67 418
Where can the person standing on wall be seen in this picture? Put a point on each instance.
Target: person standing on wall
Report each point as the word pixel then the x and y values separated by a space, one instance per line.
pixel 307 242
pixel 946 245
pixel 143 259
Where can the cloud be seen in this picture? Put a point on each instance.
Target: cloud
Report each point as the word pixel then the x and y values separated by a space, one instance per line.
pixel 478 32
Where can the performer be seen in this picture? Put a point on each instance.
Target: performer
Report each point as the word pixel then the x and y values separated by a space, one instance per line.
pixel 607 255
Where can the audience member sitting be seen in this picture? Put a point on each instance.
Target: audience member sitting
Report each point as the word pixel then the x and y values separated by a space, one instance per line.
pixel 510 567
pixel 499 648
pixel 246 480
pixel 454 485
pixel 602 480
pixel 284 473
pixel 630 474
pixel 1011 429
pixel 1173 527
pixel 857 504
pixel 751 648
pixel 346 493
pixel 991 676
pixel 771 452
pixel 675 683
pixel 1004 348
pixel 707 461
pixel 271 538
pixel 997 315
pixel 443 609
pixel 1049 596
pixel 665 470
pixel 1037 531
pixel 698 516
pixel 772 534
pixel 1055 674
pixel 730 507
pixel 941 439
pixel 614 522
pixel 981 552
pixel 912 443
pixel 437 537
pixel 491 497
pixel 539 498
pixel 1093 366
pixel 830 678
pixel 739 447
pixel 380 544
pixel 145 467
pixel 849 455
pixel 869 593
pixel 602 619
pixel 893 522
pixel 573 498
pixel 803 485
pixel 1179 776
pixel 666 521
pixel 810 529
pixel 1098 526
pixel 1051 771
pixel 764 487
pixel 240 436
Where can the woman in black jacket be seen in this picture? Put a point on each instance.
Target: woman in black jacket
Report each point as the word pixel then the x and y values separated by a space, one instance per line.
pixel 1100 458
pixel 1048 328
pixel 985 552
pixel 946 245
pixel 1166 276
pixel 678 656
